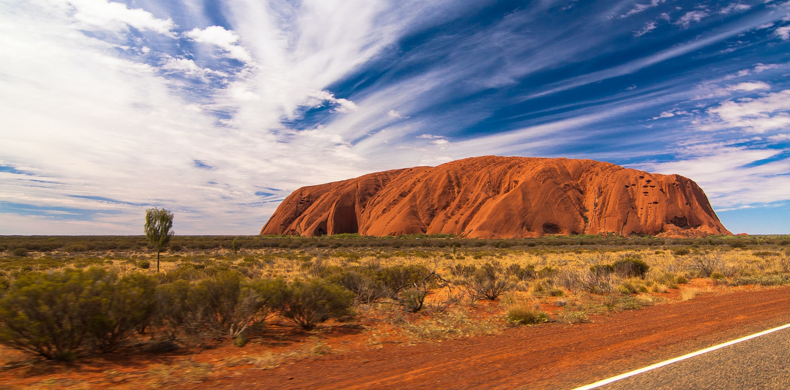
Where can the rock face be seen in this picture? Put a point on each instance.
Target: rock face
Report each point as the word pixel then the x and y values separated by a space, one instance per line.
pixel 501 197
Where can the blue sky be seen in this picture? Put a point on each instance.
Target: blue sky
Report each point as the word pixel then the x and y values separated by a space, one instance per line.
pixel 218 110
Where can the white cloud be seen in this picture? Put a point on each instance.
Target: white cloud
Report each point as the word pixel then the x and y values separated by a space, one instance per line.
pixel 639 8
pixel 691 17
pixel 734 7
pixel 396 115
pixel 649 26
pixel 783 32
pixel 340 105
pixel 779 137
pixel 106 15
pixel 671 113
pixel 224 39
pixel 728 175
pixel 189 68
pixel 63 120
pixel 759 68
pixel 749 86
pixel 770 112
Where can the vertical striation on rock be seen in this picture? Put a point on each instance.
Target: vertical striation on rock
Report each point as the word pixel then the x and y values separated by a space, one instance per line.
pixel 501 197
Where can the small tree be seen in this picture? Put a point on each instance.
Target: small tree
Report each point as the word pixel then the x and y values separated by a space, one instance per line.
pixel 236 245
pixel 157 228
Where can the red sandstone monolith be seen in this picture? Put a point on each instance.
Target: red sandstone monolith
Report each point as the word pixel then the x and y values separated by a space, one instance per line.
pixel 501 197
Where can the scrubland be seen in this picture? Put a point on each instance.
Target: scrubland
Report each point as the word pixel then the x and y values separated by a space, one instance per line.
pixel 263 301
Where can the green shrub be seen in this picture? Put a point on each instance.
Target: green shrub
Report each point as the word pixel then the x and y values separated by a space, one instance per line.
pixel 20 252
pixel 79 247
pixel 631 267
pixel 488 282
pixel 144 264
pixel 312 302
pixel 175 313
pixel 547 272
pixel 556 292
pixel 521 273
pixel 229 306
pixel 602 269
pixel 398 277
pixel 48 314
pixel 631 287
pixel 121 307
pixel 717 276
pixel 524 315
pixel 465 271
pixel 681 251
pixel 363 283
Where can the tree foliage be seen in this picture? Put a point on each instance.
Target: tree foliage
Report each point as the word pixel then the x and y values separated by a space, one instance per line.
pixel 157 229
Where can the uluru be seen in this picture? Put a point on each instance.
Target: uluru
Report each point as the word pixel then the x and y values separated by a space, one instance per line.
pixel 501 197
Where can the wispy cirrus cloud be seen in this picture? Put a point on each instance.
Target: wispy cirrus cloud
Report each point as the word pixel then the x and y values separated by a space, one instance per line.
pixel 691 17
pixel 639 7
pixel 205 107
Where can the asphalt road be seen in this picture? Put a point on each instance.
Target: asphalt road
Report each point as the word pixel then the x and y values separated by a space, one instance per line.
pixel 759 363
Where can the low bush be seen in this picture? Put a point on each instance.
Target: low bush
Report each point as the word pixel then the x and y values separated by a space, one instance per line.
pixel 465 271
pixel 631 287
pixel 175 312
pixel 524 314
pixel 706 264
pixel 600 282
pixel 398 277
pixel 630 267
pixel 521 273
pixel 229 306
pixel 717 276
pixel 602 269
pixel 309 303
pixel 80 247
pixel 120 307
pixel 488 282
pixel 681 251
pixel 48 314
pixel 362 282
pixel 144 264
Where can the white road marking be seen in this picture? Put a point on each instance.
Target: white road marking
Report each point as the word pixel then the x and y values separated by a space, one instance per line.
pixel 677 359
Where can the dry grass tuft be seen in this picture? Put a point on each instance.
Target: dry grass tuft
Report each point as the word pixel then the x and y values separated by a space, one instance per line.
pixel 688 293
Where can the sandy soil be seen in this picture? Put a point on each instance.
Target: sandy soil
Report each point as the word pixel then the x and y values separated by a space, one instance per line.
pixel 547 356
